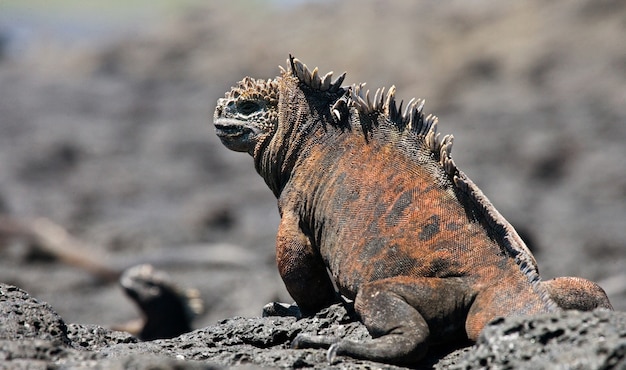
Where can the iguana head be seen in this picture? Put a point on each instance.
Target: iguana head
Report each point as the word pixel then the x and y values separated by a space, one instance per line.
pixel 273 120
pixel 247 114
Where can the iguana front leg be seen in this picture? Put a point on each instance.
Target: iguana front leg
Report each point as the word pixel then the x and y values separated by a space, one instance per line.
pixel 302 268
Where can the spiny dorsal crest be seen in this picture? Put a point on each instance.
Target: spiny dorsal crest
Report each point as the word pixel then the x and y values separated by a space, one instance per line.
pixel 312 79
pixel 411 118
pixel 250 88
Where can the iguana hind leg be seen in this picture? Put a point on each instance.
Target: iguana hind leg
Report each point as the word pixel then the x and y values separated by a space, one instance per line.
pixel 398 312
pixel 574 293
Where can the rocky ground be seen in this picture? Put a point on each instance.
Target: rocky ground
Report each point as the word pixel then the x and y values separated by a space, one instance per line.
pixel 33 336
pixel 111 139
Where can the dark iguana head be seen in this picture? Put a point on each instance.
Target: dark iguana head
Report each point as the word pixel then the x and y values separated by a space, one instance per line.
pixel 272 119
pixel 247 114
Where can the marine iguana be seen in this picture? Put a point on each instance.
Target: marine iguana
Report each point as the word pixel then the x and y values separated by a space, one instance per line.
pixel 167 308
pixel 372 203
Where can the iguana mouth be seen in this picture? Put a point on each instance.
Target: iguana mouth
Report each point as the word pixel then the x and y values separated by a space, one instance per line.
pixel 236 135
pixel 230 129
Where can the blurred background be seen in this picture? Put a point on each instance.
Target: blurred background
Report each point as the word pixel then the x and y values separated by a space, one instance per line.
pixel 106 131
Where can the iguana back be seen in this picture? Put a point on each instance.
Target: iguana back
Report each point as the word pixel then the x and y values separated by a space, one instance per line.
pixel 368 191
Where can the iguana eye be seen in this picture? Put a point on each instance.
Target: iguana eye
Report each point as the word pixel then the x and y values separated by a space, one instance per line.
pixel 248 107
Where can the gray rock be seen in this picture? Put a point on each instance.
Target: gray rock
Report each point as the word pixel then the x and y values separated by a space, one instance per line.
pixel 566 340
pixel 22 316
pixel 94 337
pixel 33 336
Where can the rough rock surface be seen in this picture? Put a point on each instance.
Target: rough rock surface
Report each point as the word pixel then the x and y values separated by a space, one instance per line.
pixel 33 336
pixel 570 340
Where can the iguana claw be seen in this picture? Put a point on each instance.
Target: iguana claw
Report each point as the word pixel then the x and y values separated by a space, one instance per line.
pixel 331 355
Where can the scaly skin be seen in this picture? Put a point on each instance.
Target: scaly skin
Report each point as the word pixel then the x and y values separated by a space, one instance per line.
pixel 369 192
